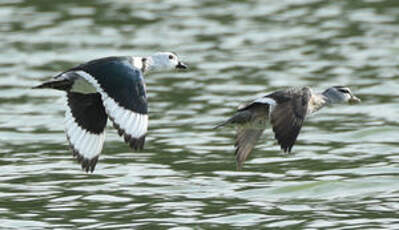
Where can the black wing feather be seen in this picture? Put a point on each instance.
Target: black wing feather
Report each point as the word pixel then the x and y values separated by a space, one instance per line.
pixel 124 83
pixel 88 111
pixel 120 80
pixel 288 116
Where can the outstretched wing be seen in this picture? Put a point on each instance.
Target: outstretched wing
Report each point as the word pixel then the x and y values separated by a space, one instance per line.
pixel 123 93
pixel 251 120
pixel 246 138
pixel 251 128
pixel 85 120
pixel 288 115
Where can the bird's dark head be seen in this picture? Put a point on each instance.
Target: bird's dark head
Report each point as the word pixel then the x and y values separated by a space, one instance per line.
pixel 340 94
pixel 165 61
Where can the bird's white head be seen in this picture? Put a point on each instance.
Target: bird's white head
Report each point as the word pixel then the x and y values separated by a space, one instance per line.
pixel 163 61
pixel 340 94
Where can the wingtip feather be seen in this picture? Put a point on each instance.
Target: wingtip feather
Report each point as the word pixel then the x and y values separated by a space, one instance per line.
pixel 88 165
pixel 134 143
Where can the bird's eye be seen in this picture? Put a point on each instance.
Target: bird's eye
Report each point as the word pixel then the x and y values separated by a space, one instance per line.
pixel 170 57
pixel 343 90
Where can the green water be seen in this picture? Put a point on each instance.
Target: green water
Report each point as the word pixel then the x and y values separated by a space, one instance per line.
pixel 345 168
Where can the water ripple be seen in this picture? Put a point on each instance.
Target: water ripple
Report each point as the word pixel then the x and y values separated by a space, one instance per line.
pixel 342 173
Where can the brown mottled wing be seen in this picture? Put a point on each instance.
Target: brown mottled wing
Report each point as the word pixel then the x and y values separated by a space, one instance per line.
pixel 249 130
pixel 288 116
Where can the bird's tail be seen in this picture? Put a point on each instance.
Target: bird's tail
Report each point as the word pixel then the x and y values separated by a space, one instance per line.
pixel 60 84
pixel 223 123
pixel 240 117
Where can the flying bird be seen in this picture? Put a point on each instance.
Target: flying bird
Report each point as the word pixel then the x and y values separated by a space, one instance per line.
pixel 110 87
pixel 286 110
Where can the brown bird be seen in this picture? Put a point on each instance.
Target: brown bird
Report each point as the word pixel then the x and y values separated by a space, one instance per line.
pixel 285 110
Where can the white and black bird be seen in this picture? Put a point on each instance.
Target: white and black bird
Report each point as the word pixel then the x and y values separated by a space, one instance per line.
pixel 110 87
pixel 286 110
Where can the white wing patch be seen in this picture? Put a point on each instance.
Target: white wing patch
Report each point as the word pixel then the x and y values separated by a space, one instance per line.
pixel 267 100
pixel 86 144
pixel 133 124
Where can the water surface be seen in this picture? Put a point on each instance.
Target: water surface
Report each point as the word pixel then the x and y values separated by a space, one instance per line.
pixel 344 170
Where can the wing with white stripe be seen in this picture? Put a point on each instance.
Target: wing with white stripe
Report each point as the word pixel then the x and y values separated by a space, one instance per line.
pixel 85 120
pixel 123 93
